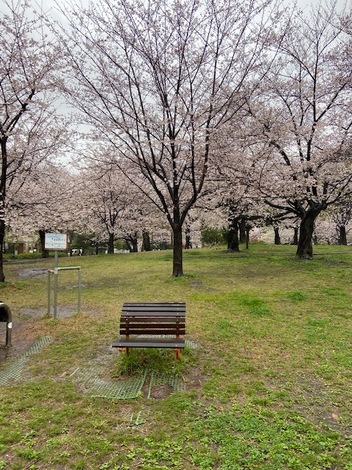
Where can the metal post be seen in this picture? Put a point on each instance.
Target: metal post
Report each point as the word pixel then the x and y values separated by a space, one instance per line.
pixel 49 290
pixel 8 333
pixel 79 290
pixel 56 279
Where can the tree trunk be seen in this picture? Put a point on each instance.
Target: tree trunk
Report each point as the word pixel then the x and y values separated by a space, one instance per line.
pixel 248 229
pixel 132 242
pixel 188 244
pixel 242 227
pixel 177 269
pixel 2 241
pixel 111 243
pixel 306 229
pixel 233 243
pixel 342 235
pixel 3 177
pixel 277 239
pixel 44 252
pixel 295 236
pixel 146 241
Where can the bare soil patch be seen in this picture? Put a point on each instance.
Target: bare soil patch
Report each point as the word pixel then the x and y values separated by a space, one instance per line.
pixel 32 273
pixel 24 330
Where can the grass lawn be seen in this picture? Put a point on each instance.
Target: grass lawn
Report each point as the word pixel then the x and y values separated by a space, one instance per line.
pixel 268 385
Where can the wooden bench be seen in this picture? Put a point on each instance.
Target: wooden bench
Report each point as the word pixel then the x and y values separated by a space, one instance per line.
pixel 152 325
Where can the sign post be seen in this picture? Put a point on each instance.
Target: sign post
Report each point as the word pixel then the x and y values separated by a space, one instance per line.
pixel 57 242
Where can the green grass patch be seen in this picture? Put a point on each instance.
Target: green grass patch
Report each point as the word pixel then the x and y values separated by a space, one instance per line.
pixel 266 383
pixel 152 360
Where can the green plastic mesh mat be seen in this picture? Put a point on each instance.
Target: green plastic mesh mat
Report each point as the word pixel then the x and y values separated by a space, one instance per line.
pixel 158 379
pixel 37 346
pixel 94 379
pixel 13 371
pixel 89 378
pixel 191 344
pixel 122 389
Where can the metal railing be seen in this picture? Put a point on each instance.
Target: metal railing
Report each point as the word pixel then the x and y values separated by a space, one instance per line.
pixel 55 273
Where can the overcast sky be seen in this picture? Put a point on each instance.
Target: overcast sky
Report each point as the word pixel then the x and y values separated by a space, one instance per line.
pixel 52 4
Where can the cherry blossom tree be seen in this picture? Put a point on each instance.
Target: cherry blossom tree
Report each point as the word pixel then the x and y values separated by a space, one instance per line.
pixel 341 216
pixel 229 185
pixel 106 200
pixel 109 205
pixel 158 79
pixel 42 202
pixel 302 121
pixel 27 63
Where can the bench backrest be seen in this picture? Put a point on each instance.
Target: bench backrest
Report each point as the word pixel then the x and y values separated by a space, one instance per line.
pixel 153 319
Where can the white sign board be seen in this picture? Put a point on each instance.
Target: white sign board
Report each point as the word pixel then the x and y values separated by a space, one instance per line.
pixel 56 241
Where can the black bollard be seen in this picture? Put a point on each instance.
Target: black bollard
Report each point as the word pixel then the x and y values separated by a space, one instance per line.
pixel 6 316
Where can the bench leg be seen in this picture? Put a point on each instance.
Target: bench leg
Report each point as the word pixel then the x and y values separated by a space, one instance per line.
pixel 178 354
pixel 121 349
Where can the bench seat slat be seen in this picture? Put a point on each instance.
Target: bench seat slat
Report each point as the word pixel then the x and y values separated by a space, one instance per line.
pixel 151 315
pixel 132 313
pixel 152 331
pixel 159 324
pixel 143 322
pixel 155 304
pixel 154 308
pixel 150 343
pixel 143 313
